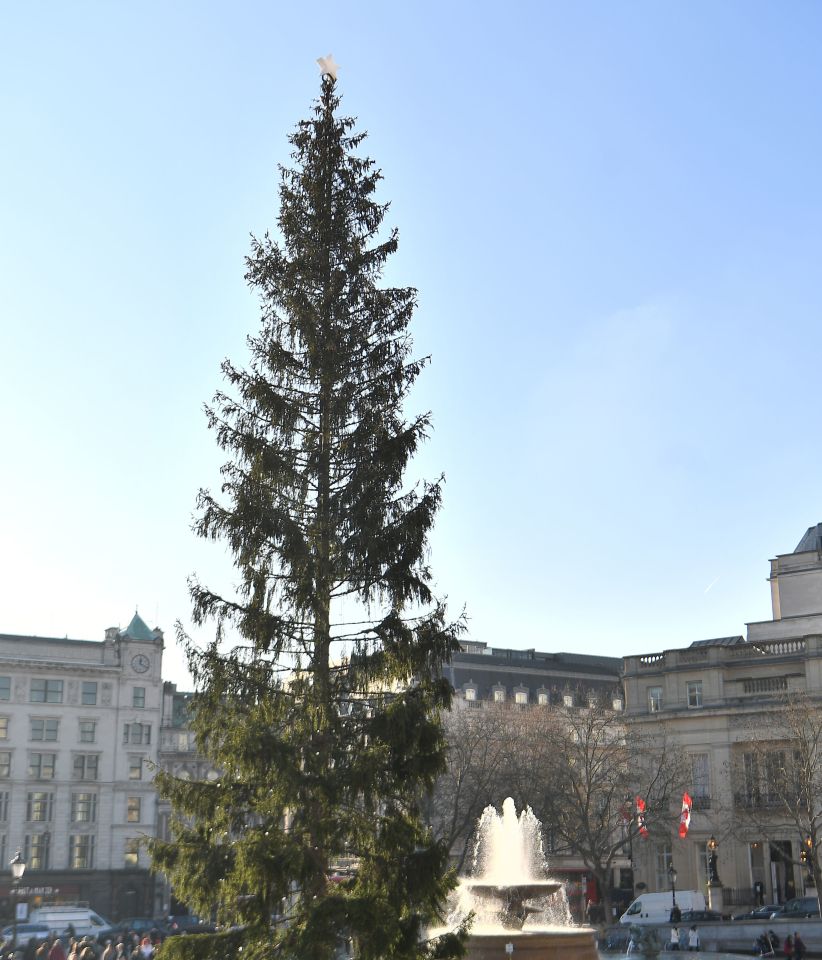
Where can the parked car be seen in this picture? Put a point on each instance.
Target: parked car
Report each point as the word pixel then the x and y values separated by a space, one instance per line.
pixel 143 926
pixel 26 932
pixel 798 907
pixel 78 920
pixel 700 916
pixel 760 913
pixel 189 923
pixel 656 907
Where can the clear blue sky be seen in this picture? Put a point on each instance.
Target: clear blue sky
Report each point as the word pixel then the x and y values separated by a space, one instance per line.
pixel 612 213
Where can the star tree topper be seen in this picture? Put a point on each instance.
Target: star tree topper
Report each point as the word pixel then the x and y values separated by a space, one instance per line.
pixel 327 66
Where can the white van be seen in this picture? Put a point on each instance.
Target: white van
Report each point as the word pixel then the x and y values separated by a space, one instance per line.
pixel 656 907
pixel 60 918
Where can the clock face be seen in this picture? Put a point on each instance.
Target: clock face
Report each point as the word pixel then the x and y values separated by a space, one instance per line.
pixel 140 663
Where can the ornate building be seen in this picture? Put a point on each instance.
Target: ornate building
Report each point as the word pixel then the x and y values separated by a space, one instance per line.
pixel 720 700
pixel 79 729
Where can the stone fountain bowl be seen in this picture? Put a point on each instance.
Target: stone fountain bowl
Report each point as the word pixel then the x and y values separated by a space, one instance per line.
pixel 559 943
pixel 508 902
pixel 524 891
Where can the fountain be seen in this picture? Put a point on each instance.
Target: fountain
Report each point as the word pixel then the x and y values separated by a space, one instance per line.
pixel 516 909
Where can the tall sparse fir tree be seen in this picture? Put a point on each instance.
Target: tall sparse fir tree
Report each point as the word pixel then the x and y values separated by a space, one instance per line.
pixel 325 733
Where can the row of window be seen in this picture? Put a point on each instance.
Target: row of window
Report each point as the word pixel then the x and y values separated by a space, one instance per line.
pixel 47 729
pixel 767 778
pixel 543 698
pixel 85 766
pixel 40 807
pixel 693 696
pixel 81 851
pixel 51 691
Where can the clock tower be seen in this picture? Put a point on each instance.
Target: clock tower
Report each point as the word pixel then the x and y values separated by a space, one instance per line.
pixel 141 650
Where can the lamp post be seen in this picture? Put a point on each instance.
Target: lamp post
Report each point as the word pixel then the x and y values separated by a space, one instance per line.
pixel 627 832
pixel 672 875
pixel 806 856
pixel 18 868
pixel 713 871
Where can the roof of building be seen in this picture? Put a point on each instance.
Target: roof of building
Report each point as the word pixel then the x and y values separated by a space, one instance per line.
pixel 535 659
pixel 811 541
pixel 25 638
pixel 138 629
pixel 719 642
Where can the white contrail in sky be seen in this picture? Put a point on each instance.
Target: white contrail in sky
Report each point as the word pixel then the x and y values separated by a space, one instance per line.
pixel 711 584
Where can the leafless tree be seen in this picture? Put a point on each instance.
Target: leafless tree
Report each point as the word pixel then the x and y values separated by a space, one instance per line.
pixel 479 744
pixel 581 769
pixel 776 774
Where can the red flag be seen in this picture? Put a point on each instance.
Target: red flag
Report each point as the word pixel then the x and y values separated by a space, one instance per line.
pixel 685 816
pixel 640 818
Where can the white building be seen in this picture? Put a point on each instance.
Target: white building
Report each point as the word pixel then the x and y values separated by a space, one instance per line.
pixel 710 696
pixel 79 732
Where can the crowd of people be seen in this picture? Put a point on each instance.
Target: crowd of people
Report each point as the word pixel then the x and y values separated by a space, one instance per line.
pixel 125 946
pixel 792 949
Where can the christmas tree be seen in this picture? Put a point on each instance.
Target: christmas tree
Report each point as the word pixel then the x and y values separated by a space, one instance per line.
pixel 323 726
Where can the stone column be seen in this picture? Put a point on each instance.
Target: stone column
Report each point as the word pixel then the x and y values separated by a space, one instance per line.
pixel 715 898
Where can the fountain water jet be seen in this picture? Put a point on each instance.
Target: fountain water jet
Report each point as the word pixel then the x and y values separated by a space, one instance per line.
pixel 517 909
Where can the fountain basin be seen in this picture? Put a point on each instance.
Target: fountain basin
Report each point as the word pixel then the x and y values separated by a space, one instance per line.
pixel 558 943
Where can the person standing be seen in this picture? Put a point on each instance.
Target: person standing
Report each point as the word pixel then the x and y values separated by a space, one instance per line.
pixel 674 937
pixel 799 948
pixel 693 939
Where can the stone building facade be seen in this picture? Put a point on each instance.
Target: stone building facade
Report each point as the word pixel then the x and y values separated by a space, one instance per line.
pixel 715 696
pixel 79 731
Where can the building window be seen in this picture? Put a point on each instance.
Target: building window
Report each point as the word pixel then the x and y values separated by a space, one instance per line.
pixel 88 731
pixel 617 704
pixel 5 691
pixel 46 691
pixel 521 697
pixel 695 693
pixel 542 698
pixel 81 855
pixel 133 809
pixel 701 780
pixel 654 699
pixel 5 764
pixel 4 728
pixel 135 768
pixel 750 773
pixel 88 696
pixel 132 852
pixel 567 700
pixel 38 807
pixel 777 777
pixel 470 693
pixel 137 733
pixel 42 729
pixel 3 848
pixel 663 864
pixel 37 851
pixel 86 766
pixel 83 807
pixel 4 807
pixel 41 766
pixel 499 696
pixel 138 697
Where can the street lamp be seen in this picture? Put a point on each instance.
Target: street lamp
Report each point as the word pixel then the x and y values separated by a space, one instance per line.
pixel 626 826
pixel 672 875
pixel 806 856
pixel 18 868
pixel 713 870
